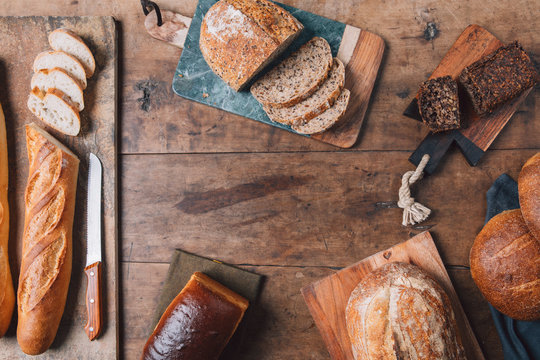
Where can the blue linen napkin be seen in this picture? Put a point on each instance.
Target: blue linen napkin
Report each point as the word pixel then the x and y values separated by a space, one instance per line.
pixel 520 339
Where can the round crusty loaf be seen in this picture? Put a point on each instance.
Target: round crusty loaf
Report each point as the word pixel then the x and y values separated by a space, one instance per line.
pixel 529 194
pixel 71 43
pixel 399 312
pixel 505 265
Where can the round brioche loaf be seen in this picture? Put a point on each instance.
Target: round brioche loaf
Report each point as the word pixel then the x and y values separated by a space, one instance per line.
pixel 505 265
pixel 529 194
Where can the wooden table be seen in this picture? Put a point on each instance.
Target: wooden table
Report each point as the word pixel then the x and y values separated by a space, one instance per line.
pixel 291 208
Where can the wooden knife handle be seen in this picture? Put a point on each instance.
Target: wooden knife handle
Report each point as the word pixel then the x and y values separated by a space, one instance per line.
pixel 93 300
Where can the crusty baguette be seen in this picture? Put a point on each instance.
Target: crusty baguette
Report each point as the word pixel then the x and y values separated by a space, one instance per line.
pixel 66 40
pixel 529 194
pixel 7 294
pixel 49 60
pixel 198 323
pixel 55 109
pixel 47 244
pixel 59 79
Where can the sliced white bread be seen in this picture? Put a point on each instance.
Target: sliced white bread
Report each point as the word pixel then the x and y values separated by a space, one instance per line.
pixel 296 77
pixel 49 60
pixel 59 79
pixel 316 104
pixel 53 108
pixel 328 118
pixel 67 41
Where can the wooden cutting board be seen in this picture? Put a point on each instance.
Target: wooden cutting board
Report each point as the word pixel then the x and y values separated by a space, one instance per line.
pixel 327 298
pixel 474 43
pixel 361 51
pixel 22 38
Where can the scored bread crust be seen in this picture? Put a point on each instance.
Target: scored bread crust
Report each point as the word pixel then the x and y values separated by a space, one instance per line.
pixel 320 101
pixel 7 294
pixel 239 38
pixel 399 312
pixel 47 240
pixel 296 77
pixel 529 194
pixel 505 265
pixel 57 43
pixel 47 79
pixel 63 60
pixel 42 105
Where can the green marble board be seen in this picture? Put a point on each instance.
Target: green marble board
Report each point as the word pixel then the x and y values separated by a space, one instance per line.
pixel 195 80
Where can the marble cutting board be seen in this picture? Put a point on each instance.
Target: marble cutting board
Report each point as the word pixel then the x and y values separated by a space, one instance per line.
pixel 360 50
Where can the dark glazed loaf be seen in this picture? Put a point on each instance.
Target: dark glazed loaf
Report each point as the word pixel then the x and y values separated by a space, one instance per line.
pixel 438 104
pixel 198 323
pixel 498 77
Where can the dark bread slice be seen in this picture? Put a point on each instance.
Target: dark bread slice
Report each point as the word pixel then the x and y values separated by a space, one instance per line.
pixel 296 77
pixel 328 118
pixel 439 104
pixel 498 77
pixel 316 104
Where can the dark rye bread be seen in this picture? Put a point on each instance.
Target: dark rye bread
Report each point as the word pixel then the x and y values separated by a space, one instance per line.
pixel 439 104
pixel 498 77
pixel 240 37
pixel 296 77
pixel 317 103
pixel 328 118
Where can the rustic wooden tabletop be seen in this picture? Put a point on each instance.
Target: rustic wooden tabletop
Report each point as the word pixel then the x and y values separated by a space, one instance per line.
pixel 294 209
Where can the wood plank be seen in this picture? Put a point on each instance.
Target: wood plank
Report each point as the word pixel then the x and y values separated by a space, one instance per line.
pixel 98 130
pixel 289 209
pixel 155 121
pixel 281 327
pixel 327 298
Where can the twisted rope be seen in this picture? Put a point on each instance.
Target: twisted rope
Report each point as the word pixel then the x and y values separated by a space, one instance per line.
pixel 413 212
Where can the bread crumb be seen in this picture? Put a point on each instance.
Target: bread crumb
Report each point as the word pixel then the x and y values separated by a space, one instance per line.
pixel 205 95
pixel 180 75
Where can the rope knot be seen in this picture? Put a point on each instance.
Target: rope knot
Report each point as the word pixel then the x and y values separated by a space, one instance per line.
pixel 413 212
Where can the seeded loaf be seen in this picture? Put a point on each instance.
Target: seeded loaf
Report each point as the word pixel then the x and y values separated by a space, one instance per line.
pixel 69 42
pixel 61 80
pixel 49 60
pixel 316 104
pixel 240 37
pixel 438 104
pixel 296 77
pixel 55 109
pixel 328 118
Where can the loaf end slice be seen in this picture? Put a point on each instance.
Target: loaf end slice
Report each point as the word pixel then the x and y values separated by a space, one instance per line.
pixel 316 104
pixel 328 118
pixel 67 41
pixel 498 77
pixel 438 104
pixel 49 60
pixel 54 109
pixel 296 77
pixel 61 80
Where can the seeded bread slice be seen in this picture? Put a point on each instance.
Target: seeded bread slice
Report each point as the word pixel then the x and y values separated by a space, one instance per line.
pixel 316 104
pixel 328 118
pixel 59 79
pixel 296 77
pixel 69 42
pixel 54 109
pixel 49 60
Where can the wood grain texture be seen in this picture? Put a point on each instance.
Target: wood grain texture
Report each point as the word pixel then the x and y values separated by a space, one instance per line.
pixel 328 297
pixel 94 318
pixel 98 135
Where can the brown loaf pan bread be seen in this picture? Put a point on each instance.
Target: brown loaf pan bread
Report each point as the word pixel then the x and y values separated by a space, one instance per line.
pixel 438 104
pixel 529 194
pixel 198 323
pixel 505 265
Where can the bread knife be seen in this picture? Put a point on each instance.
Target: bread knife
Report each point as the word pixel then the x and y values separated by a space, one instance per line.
pixel 93 250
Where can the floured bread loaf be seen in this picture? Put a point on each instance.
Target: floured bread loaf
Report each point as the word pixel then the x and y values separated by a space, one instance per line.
pixel 399 312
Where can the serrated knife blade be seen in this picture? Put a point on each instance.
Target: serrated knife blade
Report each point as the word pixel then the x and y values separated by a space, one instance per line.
pixel 93 249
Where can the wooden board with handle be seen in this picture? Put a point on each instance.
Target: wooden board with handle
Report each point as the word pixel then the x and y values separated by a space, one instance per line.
pixel 22 39
pixel 474 43
pixel 327 298
pixel 361 51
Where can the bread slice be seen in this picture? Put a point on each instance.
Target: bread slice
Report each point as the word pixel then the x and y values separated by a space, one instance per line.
pixel 296 77
pixel 54 109
pixel 316 104
pixel 61 80
pixel 49 60
pixel 328 118
pixel 67 41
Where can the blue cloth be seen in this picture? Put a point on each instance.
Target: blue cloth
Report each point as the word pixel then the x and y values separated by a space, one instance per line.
pixel 520 339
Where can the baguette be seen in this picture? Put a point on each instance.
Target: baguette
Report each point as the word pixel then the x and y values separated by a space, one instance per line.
pixel 67 41
pixel 47 244
pixel 55 109
pixel 7 294
pixel 49 60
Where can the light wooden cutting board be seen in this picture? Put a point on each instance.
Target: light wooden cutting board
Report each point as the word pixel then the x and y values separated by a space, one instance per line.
pixel 328 297
pixel 22 38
